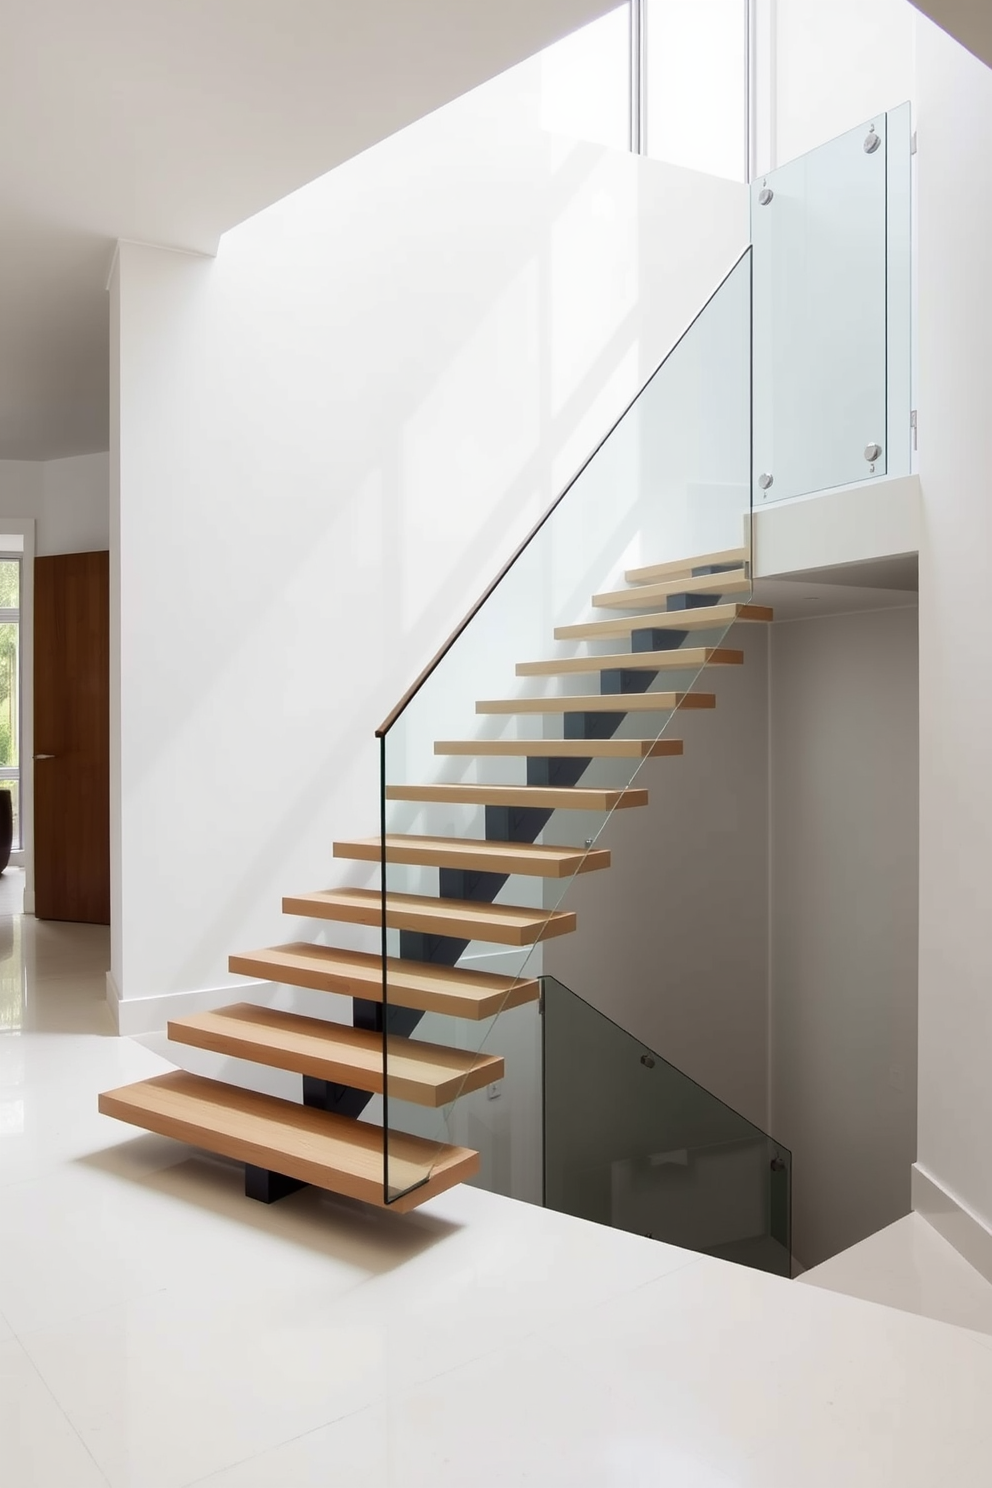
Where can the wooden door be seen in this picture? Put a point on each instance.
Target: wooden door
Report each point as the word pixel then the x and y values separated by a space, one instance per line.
pixel 72 737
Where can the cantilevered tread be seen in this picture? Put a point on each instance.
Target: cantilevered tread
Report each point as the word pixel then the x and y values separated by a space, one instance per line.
pixel 563 748
pixel 503 924
pixel 707 617
pixel 605 702
pixel 683 567
pixel 425 986
pixel 682 659
pixel 332 1152
pixel 478 856
pixel 427 1074
pixel 644 596
pixel 548 798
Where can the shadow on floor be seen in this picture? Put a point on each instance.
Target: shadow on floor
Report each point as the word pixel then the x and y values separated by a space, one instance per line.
pixel 343 1229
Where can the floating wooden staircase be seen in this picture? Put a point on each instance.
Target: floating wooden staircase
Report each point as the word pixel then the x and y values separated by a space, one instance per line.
pixel 324 1141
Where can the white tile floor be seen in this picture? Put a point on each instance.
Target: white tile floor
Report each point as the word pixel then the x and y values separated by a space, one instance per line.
pixel 157 1329
pixel 909 1265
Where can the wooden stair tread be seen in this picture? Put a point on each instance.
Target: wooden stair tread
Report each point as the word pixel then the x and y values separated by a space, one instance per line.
pixel 427 987
pixel 736 581
pixel 708 617
pixel 474 855
pixel 601 702
pixel 503 924
pixel 428 1074
pixel 684 566
pixel 563 748
pixel 332 1152
pixel 549 798
pixel 684 658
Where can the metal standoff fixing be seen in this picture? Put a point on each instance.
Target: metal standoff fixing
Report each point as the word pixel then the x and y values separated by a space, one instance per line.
pixel 871 141
pixel 765 195
pixel 872 452
pixel 766 481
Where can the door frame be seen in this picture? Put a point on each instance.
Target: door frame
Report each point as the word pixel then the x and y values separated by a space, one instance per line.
pixel 25 527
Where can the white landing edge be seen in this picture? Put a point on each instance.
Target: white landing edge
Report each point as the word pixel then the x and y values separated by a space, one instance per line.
pixel 846 524
pixel 139 1015
pixel 952 1219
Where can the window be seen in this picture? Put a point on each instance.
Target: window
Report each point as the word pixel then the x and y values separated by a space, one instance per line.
pixel 10 684
pixel 695 83
pixel 585 82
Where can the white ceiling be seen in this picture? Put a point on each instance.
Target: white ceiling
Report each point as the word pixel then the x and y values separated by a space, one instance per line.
pixel 802 599
pixel 169 121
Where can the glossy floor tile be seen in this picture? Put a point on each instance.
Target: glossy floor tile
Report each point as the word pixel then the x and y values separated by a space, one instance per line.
pixel 38 1446
pixel 158 1330
pixel 910 1266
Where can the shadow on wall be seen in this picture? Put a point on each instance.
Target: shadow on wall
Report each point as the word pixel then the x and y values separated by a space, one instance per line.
pixel 465 376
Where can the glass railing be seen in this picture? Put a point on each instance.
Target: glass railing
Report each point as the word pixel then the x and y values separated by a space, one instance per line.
pixel 632 1142
pixel 505 761
pixel 831 235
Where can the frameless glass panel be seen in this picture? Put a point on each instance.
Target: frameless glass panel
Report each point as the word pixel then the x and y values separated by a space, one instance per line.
pixel 696 84
pixel 502 767
pixel 631 1142
pixel 818 230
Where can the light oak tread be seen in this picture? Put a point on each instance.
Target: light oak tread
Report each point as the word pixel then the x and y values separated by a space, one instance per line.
pixel 684 566
pixel 576 798
pixel 708 617
pixel 332 1152
pixel 427 1074
pixel 601 702
pixel 562 748
pixel 478 856
pixel 427 987
pixel 503 924
pixel 683 658
pixel 735 581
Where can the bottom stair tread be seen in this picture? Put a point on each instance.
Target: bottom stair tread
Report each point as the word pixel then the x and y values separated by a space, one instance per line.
pixel 332 1152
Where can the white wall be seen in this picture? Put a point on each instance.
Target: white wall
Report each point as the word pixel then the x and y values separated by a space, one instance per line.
pixel 329 438
pixel 21 488
pixel 68 500
pixel 843 762
pixel 824 66
pixel 673 937
pixel 75 508
pixel 955 312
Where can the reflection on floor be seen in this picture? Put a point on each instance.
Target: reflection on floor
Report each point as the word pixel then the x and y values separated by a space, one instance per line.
pixel 157 1329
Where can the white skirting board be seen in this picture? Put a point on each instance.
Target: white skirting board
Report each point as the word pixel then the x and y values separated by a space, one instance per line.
pixel 138 1015
pixel 949 1217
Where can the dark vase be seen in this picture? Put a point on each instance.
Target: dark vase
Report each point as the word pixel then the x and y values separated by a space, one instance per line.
pixel 6 827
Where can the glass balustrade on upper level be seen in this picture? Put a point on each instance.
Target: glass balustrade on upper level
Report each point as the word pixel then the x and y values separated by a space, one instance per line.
pixel 831 236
